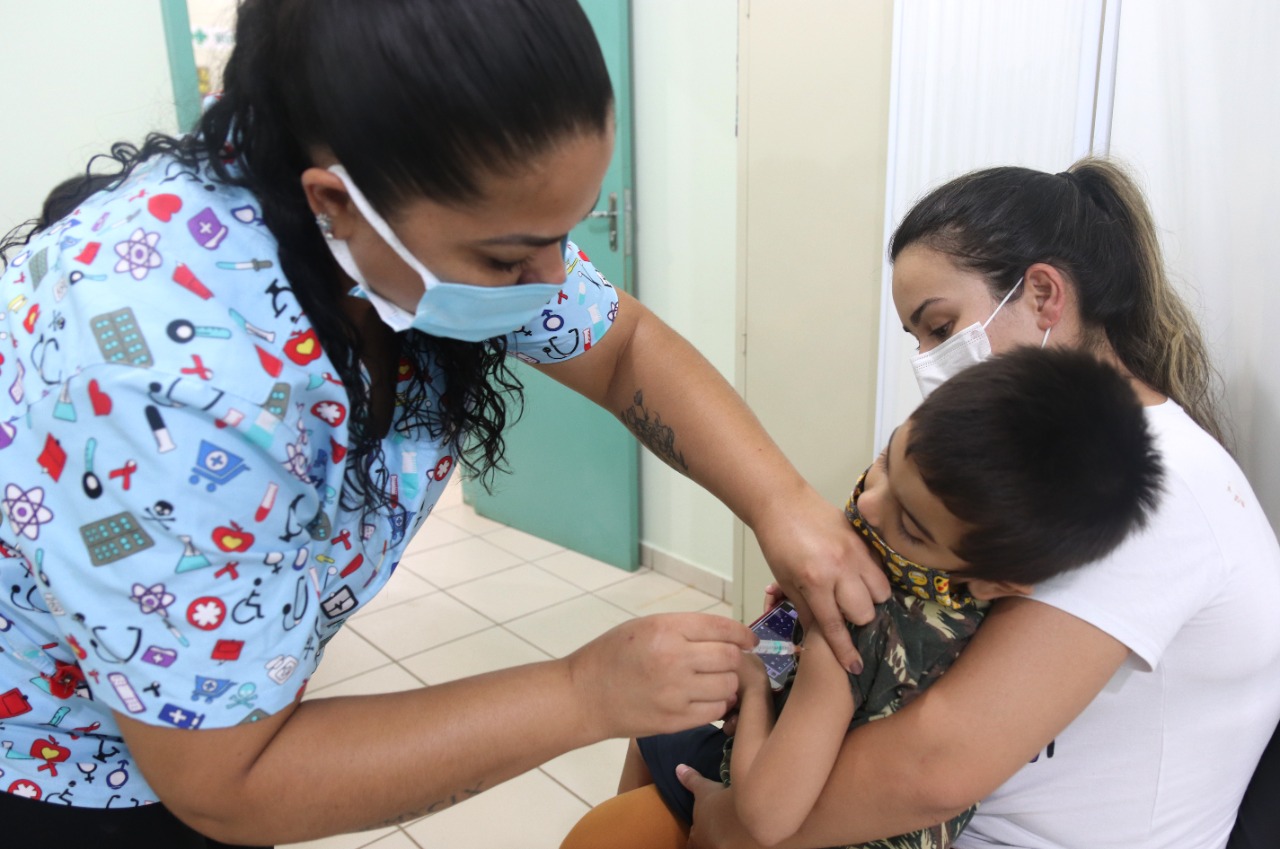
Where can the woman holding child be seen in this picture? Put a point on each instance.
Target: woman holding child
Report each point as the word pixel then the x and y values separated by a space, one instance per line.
pixel 1122 704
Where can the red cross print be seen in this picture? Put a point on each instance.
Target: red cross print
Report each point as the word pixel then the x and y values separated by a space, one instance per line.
pixel 200 369
pixel 230 569
pixel 344 538
pixel 125 472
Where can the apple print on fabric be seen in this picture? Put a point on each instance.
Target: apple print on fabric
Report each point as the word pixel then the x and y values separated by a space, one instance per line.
pixel 178 539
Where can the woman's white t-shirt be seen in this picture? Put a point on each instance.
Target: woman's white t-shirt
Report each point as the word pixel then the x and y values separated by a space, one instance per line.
pixel 1163 754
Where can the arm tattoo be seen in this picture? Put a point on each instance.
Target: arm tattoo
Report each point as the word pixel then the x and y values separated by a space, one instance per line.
pixel 427 810
pixel 652 433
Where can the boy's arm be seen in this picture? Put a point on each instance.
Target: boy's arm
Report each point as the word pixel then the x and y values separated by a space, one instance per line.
pixel 786 768
pixel 755 717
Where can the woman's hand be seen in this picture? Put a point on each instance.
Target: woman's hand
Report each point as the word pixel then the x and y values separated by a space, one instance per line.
pixel 660 674
pixel 824 569
pixel 715 825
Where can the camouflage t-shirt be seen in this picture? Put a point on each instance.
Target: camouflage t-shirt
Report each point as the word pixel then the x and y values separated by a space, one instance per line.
pixel 908 646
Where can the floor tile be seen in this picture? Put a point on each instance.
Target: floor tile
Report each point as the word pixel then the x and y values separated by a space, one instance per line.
pixel 456 562
pixel 649 592
pixel 419 624
pixel 356 840
pixel 590 772
pixel 529 812
pixel 583 571
pixel 403 585
pixel 514 592
pixel 396 840
pixel 345 656
pixel 565 627
pixel 495 648
pixel 452 495
pixel 468 519
pixel 721 608
pixel 525 546
pixel 385 679
pixel 434 533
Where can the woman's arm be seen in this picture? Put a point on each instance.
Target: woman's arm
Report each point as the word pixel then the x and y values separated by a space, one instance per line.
pixel 680 407
pixel 289 776
pixel 785 764
pixel 1029 671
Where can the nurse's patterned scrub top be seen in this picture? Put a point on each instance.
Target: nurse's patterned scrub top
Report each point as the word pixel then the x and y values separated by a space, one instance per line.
pixel 173 443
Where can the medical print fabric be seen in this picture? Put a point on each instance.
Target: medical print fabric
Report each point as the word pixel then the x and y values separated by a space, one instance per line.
pixel 173 443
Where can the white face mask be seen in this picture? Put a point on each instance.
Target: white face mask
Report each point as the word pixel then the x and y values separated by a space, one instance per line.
pixel 452 310
pixel 966 348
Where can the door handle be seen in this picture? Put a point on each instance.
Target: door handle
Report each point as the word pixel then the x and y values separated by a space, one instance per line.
pixel 612 214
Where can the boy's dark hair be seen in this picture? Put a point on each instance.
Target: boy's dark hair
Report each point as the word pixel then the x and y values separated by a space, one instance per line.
pixel 1045 454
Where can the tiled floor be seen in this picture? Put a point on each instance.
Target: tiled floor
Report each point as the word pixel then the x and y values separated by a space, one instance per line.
pixel 470 596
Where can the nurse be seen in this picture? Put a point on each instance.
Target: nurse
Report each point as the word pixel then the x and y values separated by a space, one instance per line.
pixel 238 380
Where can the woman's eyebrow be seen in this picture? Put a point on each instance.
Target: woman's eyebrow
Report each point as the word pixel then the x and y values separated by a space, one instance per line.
pixel 914 318
pixel 527 240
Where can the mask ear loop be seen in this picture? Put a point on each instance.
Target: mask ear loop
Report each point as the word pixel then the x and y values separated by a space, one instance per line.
pixel 382 228
pixel 1007 296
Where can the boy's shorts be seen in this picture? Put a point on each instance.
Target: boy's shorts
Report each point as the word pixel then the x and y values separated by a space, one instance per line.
pixel 701 748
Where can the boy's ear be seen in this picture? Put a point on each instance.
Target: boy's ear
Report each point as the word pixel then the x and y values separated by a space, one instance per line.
pixel 984 590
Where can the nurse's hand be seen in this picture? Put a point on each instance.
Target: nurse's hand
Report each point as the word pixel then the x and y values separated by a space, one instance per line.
pixel 660 674
pixel 823 567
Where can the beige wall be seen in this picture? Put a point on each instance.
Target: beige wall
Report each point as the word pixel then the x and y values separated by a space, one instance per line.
pixel 684 55
pixel 814 126
pixel 74 83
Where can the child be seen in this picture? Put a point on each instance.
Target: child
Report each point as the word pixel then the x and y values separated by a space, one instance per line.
pixel 1021 468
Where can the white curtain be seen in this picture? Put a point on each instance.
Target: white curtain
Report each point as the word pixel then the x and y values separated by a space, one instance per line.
pixel 1197 116
pixel 975 84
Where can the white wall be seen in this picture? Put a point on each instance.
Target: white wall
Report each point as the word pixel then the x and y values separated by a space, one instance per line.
pixel 684 57
pixel 978 84
pixel 1197 115
pixel 75 81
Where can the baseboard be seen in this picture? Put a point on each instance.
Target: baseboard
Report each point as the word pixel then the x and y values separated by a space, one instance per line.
pixel 686 573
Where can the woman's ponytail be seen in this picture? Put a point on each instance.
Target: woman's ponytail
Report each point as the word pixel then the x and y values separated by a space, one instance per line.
pixel 1156 335
pixel 1092 223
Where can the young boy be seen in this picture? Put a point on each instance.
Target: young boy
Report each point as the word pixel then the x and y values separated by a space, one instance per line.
pixel 996 482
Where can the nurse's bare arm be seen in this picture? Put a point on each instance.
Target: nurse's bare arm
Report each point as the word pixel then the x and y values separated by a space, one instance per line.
pixel 332 765
pixel 1029 671
pixel 684 411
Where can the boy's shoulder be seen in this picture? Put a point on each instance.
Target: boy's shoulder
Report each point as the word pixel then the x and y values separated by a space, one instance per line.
pixel 911 639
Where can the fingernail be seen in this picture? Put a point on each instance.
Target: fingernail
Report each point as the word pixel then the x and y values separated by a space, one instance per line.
pixel 855 668
pixel 681 770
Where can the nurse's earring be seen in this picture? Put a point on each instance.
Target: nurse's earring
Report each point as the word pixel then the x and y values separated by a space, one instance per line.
pixel 325 223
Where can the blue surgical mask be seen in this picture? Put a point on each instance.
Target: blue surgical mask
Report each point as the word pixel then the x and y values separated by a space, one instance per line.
pixel 452 310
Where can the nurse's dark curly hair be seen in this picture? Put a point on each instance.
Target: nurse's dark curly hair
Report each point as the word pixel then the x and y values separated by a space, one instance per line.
pixel 416 98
